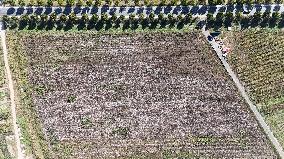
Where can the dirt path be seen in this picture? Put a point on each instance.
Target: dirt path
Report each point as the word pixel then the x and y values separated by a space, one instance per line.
pixel 19 154
pixel 241 89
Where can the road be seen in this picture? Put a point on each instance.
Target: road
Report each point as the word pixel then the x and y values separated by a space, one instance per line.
pixel 241 89
pixel 19 154
pixel 175 10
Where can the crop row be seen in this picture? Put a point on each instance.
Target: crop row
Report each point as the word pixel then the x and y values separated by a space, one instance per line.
pixel 260 64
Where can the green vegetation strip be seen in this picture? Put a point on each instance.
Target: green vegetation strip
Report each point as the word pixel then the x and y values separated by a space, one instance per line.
pixel 31 129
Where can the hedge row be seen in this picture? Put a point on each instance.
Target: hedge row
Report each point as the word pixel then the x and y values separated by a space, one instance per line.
pixel 132 3
pixel 95 21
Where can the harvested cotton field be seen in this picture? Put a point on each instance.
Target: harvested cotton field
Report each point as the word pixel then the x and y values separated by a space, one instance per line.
pixel 139 95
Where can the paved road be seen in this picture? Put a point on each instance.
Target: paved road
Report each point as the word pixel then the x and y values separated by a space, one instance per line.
pixel 19 154
pixel 175 10
pixel 241 89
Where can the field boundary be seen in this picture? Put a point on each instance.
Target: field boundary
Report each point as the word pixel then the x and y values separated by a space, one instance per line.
pixel 20 154
pixel 241 89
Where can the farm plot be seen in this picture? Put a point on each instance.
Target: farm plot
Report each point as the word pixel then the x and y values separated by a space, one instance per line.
pixel 258 58
pixel 139 95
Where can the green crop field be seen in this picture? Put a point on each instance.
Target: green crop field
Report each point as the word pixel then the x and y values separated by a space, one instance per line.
pixel 258 58
pixel 129 95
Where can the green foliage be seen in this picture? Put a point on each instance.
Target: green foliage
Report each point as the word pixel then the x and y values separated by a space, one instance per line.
pixel 40 2
pixel 122 131
pixel 22 2
pixel 184 2
pixel 4 113
pixel 163 2
pixel 31 2
pixel 98 3
pixel 136 2
pixel 89 2
pixel 71 99
pixel 174 2
pixel 86 122
pixel 80 3
pixel 49 2
pixel 116 2
pixel 70 2
pixel 147 2
pixel 60 2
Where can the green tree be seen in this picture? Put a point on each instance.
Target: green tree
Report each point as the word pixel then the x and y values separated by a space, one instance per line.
pixel 121 18
pixel 219 2
pixel 49 3
pixel 275 19
pixel 212 2
pixel 163 2
pixel 72 18
pixel 268 1
pixel 11 2
pixel 256 18
pixel 89 2
pixel 95 18
pixel 136 2
pixel 116 2
pixel 40 3
pixel 113 18
pixel 52 17
pixel 24 19
pixel 192 2
pixel 70 2
pixel 80 3
pixel 6 20
pixel 146 2
pixel 265 19
pixel 171 19
pixel 238 17
pixel 60 2
pixel 63 18
pixel 33 21
pixel 108 2
pixel 230 2
pixel 240 2
pixel 131 18
pixel 174 2
pixel 84 19
pixel 161 17
pixel 219 19
pixel 141 17
pixel 229 17
pixel 188 18
pixel 13 23
pixel 98 3
pixel 279 1
pixel 152 17
pixel 184 2
pixel 104 17
pixel 22 2
pixel 32 3
pixel 210 20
